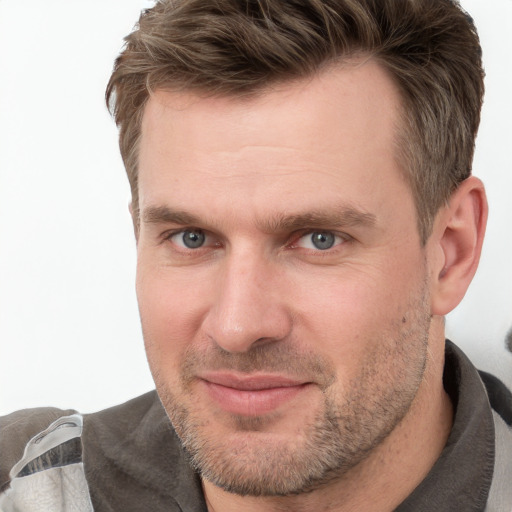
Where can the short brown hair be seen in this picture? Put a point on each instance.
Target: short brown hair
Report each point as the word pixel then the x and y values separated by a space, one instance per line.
pixel 233 47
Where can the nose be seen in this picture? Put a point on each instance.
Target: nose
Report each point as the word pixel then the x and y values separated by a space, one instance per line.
pixel 249 304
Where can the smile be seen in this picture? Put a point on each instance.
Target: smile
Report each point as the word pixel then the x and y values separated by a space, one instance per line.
pixel 252 395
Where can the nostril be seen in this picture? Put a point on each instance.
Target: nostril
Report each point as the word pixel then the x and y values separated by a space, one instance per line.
pixel 264 341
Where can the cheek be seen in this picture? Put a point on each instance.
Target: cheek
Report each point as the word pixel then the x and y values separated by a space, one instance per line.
pixel 170 311
pixel 348 315
pixel 338 321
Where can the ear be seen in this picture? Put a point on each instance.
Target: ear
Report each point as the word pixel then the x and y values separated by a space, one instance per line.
pixel 457 240
pixel 135 222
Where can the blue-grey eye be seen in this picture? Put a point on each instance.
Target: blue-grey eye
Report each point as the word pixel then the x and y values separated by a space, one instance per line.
pixel 323 240
pixel 193 239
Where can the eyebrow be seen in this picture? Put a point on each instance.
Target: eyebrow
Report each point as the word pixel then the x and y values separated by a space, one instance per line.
pixel 165 215
pixel 341 216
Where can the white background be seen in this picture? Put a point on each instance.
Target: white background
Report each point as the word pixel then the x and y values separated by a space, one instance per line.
pixel 69 329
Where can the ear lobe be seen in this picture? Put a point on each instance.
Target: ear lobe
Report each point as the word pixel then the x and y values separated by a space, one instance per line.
pixel 458 235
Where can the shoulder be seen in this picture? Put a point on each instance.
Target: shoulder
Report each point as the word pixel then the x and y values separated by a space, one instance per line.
pixel 500 397
pixel 17 429
pixel 132 457
pixel 124 416
pixel 129 429
pixel 127 437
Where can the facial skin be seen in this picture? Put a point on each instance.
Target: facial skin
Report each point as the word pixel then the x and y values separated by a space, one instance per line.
pixel 284 361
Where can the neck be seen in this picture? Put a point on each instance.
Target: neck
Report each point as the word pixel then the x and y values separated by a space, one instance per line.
pixel 389 474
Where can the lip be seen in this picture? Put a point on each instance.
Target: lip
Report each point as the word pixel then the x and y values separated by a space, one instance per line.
pixel 251 395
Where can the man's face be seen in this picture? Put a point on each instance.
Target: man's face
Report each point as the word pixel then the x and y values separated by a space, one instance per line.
pixel 282 285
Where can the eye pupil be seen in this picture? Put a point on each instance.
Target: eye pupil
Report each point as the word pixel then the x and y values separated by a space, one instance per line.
pixel 322 240
pixel 193 239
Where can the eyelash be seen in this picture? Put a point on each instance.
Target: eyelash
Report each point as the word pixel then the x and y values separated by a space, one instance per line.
pixel 340 239
pixel 168 235
pixel 295 238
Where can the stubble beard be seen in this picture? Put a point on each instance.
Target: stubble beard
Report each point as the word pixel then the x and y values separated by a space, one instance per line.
pixel 339 436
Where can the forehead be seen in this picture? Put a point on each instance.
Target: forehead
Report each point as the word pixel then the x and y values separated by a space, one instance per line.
pixel 343 87
pixel 291 140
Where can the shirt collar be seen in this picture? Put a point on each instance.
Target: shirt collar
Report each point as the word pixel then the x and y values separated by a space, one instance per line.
pixel 461 477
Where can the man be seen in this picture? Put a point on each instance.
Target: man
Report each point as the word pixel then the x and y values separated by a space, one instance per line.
pixel 305 217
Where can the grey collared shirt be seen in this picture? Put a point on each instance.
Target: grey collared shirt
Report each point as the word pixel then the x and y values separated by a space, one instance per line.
pixel 462 476
pixel 129 458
